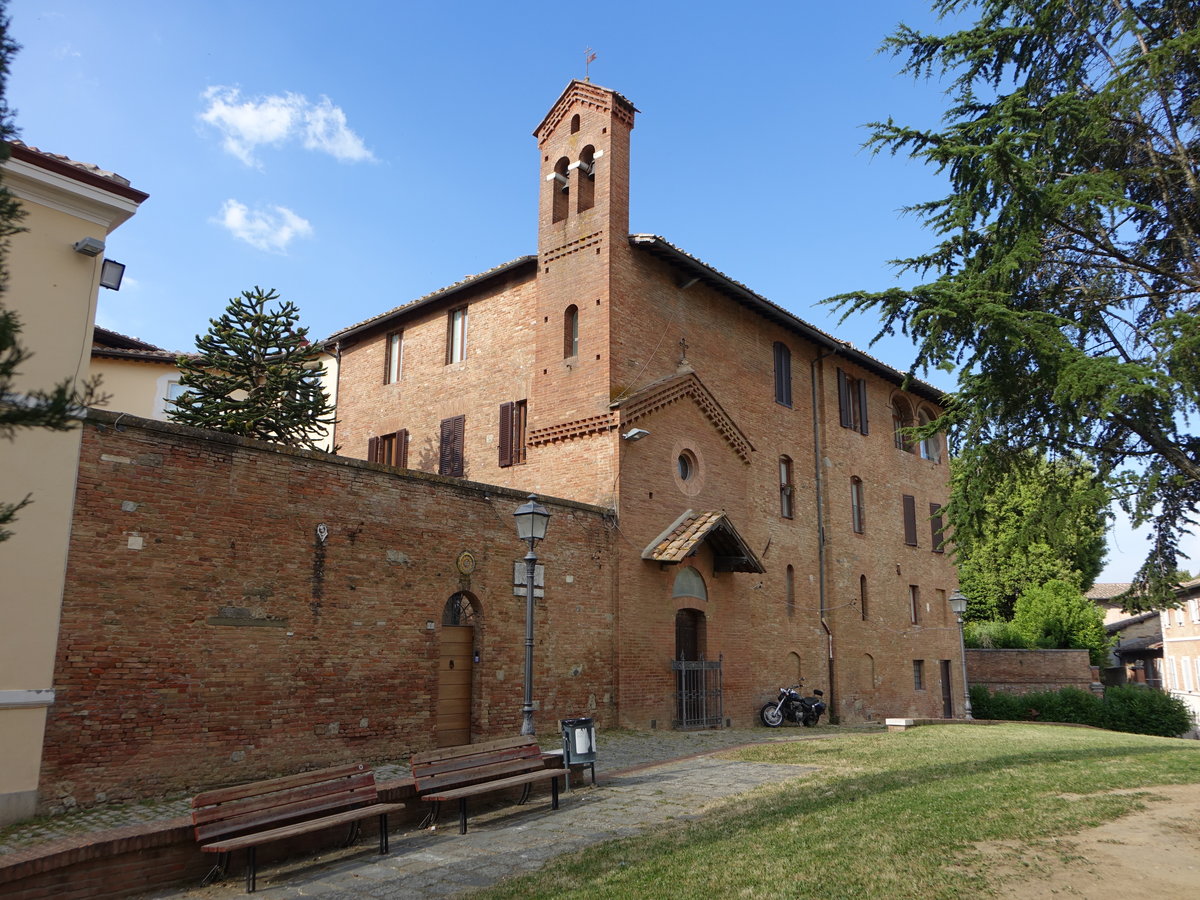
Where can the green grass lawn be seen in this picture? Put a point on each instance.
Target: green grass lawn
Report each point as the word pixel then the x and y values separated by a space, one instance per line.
pixel 887 815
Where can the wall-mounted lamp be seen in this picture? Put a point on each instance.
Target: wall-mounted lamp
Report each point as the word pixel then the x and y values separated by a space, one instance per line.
pixel 635 434
pixel 89 246
pixel 111 273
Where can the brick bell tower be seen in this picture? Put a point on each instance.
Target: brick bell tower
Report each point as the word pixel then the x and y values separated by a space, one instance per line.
pixel 583 233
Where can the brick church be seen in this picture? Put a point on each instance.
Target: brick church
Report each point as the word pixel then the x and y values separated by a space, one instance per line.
pixel 772 520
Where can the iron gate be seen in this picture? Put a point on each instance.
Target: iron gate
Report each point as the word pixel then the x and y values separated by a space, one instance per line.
pixel 698 693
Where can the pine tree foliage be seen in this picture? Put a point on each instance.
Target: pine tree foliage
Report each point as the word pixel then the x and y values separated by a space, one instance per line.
pixel 1043 520
pixel 56 408
pixel 256 375
pixel 1064 283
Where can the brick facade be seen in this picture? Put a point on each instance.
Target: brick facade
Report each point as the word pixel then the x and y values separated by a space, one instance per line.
pixel 669 345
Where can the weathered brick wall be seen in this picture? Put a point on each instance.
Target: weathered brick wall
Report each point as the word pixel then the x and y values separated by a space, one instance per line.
pixel 210 636
pixel 1025 671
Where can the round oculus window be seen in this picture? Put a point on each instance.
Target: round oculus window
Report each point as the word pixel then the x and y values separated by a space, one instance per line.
pixel 686 465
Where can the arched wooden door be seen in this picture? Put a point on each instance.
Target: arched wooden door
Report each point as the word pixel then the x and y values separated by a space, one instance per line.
pixel 456 656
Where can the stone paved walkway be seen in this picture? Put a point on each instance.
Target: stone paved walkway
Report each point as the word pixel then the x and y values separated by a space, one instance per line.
pixel 644 779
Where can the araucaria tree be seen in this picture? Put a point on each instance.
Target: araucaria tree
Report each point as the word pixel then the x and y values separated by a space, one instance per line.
pixel 256 375
pixel 1065 282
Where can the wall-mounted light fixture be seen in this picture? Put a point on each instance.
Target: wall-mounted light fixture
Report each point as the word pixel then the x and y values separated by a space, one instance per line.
pixel 111 273
pixel 90 246
pixel 635 434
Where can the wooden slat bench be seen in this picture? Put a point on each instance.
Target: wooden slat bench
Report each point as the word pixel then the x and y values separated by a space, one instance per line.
pixel 457 773
pixel 242 817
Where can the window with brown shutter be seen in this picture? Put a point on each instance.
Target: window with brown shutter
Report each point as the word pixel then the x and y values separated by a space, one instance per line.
pixel 512 433
pixel 935 527
pixel 450 451
pixel 910 520
pixel 389 449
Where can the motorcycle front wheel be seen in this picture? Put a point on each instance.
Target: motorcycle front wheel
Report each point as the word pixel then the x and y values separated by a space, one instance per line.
pixel 771 715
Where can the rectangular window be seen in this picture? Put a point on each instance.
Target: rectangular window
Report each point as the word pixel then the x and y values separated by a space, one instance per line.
pixel 456 337
pixel 857 511
pixel 787 489
pixel 450 451
pixel 914 603
pixel 393 365
pixel 852 401
pixel 783 374
pixel 1185 663
pixel 941 603
pixel 910 520
pixel 512 433
pixel 935 528
pixel 389 449
pixel 918 674
pixel 1195 607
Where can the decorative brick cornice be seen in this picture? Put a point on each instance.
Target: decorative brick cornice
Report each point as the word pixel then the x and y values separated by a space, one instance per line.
pixel 566 431
pixel 588 240
pixel 593 96
pixel 670 390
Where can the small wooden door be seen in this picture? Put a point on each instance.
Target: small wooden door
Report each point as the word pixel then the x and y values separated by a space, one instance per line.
pixel 454 685
pixel 947 691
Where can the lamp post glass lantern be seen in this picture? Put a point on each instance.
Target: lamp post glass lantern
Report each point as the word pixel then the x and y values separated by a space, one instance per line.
pixel 532 519
pixel 958 605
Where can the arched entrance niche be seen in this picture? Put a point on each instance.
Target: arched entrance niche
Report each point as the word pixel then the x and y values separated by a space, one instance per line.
pixel 456 665
pixel 689 593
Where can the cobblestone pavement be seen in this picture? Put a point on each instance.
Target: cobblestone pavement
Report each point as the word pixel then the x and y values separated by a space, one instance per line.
pixel 644 779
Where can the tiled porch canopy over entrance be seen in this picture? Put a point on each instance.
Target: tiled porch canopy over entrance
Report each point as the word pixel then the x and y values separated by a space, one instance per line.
pixel 684 536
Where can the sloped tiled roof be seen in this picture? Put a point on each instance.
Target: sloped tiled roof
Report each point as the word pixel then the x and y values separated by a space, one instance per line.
pixel 81 171
pixel 1107 590
pixel 108 344
pixel 690 530
pixel 440 293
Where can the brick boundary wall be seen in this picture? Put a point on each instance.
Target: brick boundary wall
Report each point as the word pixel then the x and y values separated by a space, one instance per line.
pixel 211 635
pixel 1027 671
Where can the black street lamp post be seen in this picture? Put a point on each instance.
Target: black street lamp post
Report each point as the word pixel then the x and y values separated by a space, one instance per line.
pixel 958 605
pixel 532 519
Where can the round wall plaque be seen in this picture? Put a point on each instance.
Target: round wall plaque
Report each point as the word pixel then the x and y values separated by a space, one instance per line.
pixel 466 562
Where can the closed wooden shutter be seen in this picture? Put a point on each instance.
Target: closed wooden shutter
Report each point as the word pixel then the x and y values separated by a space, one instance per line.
pixel 450 455
pixel 401 448
pixel 862 405
pixel 844 404
pixel 373 450
pixel 935 527
pixel 910 520
pixel 506 434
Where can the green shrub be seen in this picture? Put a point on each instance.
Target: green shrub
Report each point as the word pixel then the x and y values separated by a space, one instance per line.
pixel 997 635
pixel 1131 708
pixel 1056 615
pixel 1142 710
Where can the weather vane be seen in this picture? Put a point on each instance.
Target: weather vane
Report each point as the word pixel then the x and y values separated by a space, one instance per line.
pixel 589 57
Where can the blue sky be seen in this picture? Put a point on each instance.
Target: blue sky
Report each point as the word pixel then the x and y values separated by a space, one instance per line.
pixel 355 156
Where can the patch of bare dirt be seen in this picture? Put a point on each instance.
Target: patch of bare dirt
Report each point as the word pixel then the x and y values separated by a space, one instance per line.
pixel 1151 852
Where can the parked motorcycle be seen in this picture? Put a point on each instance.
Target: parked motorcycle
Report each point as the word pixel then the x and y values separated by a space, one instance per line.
pixel 793 707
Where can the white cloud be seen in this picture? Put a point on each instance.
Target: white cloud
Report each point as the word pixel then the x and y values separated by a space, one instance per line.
pixel 278 118
pixel 269 228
